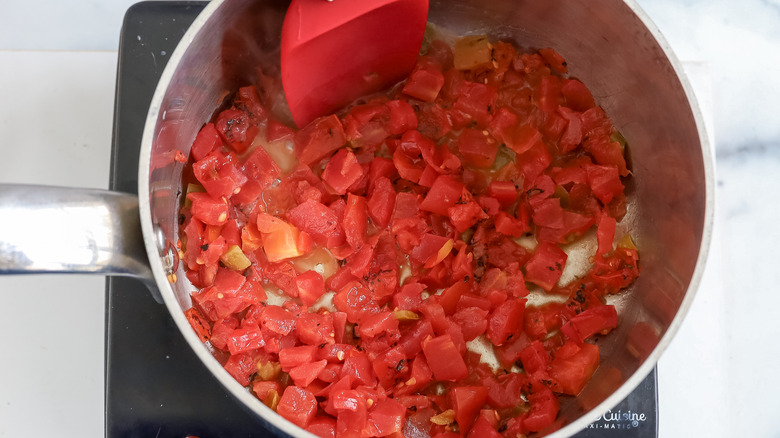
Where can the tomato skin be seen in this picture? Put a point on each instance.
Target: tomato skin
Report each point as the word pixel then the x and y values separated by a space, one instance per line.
pixel 298 406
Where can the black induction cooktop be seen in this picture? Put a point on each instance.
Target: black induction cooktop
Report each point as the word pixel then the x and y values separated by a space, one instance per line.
pixel 155 385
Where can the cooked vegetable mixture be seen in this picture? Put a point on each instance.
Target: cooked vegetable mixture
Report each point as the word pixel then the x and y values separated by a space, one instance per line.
pixel 396 269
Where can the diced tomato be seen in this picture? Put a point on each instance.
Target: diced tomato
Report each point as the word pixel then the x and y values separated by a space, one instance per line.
pixel 261 168
pixel 431 248
pixel 342 171
pixel 572 372
pixel 444 358
pixel 483 429
pixel 477 147
pixel 594 320
pixel 444 194
pixel 535 357
pixel 424 84
pixel 473 321
pixel 277 319
pixel 506 321
pixel 505 192
pixel 280 239
pixel 476 102
pixel 554 59
pixel 207 209
pixel 386 418
pixel 318 139
pixel 381 202
pixel 605 182
pixel 323 427
pixel 402 117
pixel 206 141
pixel 311 287
pixel 297 405
pixel 577 95
pixel 199 323
pixel 236 128
pixel 546 265
pixel 315 329
pixel 544 409
pixel 242 365
pixel 303 375
pixel 505 391
pixel 318 220
pixel 359 367
pixel 377 324
pixel 245 339
pixel 293 357
pixel 355 300
pixel 355 217
pixel 467 401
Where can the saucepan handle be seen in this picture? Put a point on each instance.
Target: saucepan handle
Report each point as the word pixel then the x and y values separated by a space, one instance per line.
pixel 47 229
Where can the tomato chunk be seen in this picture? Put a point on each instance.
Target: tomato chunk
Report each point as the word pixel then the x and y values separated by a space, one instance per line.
pixel 297 405
pixel 444 193
pixel 444 358
pixel 546 265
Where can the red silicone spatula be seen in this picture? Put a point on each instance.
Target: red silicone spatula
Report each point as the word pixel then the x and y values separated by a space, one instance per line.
pixel 336 51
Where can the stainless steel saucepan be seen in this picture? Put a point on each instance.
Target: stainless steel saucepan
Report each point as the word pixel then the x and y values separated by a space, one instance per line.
pixel 609 44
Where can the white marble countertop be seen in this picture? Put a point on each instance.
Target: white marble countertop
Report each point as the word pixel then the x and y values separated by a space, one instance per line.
pixel 58 65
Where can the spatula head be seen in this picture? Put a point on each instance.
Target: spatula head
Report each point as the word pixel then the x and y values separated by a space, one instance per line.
pixel 336 51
